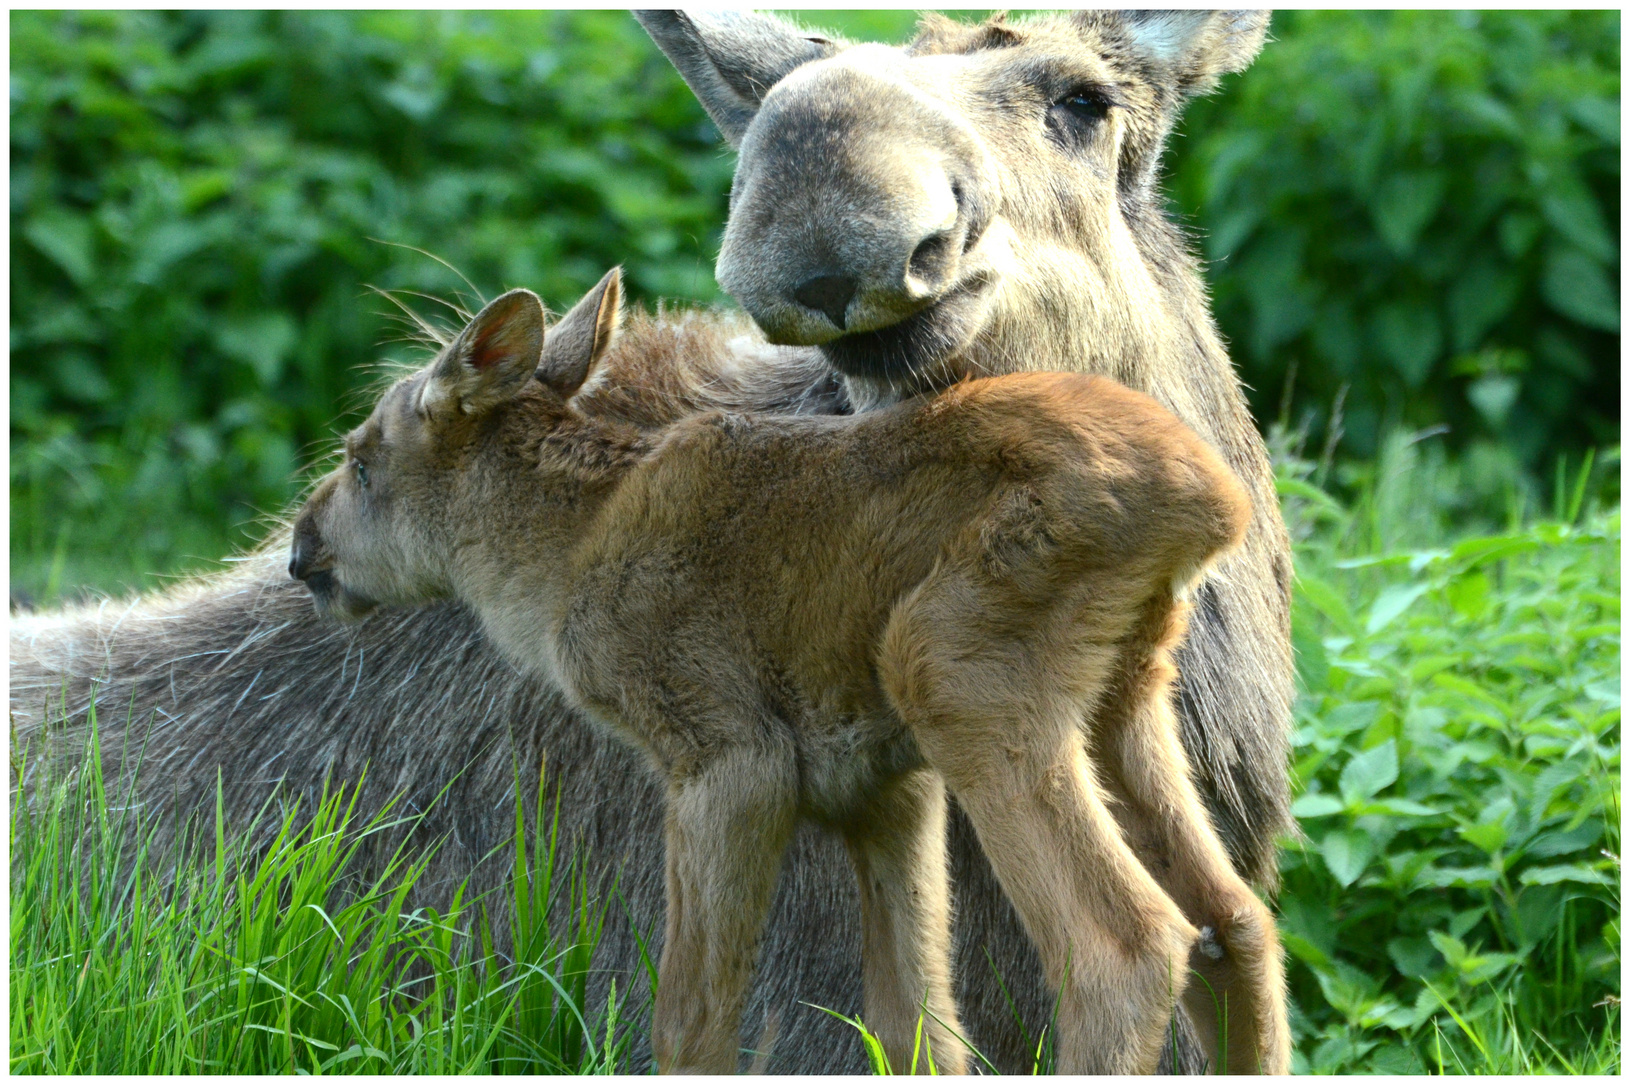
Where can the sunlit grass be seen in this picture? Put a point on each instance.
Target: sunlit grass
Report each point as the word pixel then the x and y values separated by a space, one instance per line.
pixel 208 957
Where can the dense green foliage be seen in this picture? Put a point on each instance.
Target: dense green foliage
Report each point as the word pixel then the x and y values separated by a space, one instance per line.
pixel 1420 206
pixel 1458 754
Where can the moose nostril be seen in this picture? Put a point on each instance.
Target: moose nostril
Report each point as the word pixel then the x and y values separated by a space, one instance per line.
pixel 930 259
pixel 829 293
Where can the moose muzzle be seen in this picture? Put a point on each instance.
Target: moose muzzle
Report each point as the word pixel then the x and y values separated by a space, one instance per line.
pixel 856 201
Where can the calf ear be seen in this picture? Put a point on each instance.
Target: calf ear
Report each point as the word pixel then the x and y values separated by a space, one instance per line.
pixel 491 359
pixel 732 58
pixel 1197 47
pixel 582 336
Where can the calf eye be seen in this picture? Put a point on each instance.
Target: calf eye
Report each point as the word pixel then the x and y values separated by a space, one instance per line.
pixel 361 474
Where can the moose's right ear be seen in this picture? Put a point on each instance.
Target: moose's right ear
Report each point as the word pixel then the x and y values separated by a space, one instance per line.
pixel 581 336
pixel 732 58
pixel 1196 47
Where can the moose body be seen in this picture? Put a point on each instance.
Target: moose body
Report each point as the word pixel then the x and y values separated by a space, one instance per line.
pixel 233 676
pixel 823 617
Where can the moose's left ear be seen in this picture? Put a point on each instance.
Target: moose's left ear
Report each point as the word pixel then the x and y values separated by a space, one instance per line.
pixel 491 359
pixel 582 336
pixel 731 59
pixel 1197 47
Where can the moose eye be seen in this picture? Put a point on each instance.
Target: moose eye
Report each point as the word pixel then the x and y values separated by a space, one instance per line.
pixel 1086 105
pixel 361 473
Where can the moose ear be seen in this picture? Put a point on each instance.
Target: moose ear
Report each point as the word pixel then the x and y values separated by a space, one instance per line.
pixel 1197 47
pixel 491 359
pixel 582 336
pixel 731 59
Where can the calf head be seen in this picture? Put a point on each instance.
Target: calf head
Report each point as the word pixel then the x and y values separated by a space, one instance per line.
pixel 430 475
pixel 982 199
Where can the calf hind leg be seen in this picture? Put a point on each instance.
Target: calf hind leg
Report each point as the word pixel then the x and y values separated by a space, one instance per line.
pixel 1238 1003
pixel 1000 720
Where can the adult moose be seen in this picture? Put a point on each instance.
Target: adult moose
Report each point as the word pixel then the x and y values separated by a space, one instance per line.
pixel 235 675
pixel 985 199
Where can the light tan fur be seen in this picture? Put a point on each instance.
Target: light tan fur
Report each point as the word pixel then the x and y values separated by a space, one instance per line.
pixel 835 618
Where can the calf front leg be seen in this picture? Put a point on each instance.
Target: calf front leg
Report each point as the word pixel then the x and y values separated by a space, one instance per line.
pixel 727 829
pixel 899 855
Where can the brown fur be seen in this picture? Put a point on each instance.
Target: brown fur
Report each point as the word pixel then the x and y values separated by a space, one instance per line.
pixel 822 618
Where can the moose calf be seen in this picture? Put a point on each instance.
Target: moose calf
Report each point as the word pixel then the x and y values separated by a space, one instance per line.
pixel 835 618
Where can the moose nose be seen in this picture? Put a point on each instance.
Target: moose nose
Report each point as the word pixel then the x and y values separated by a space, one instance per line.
pixel 829 293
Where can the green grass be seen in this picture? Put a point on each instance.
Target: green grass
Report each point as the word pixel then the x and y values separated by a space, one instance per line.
pixel 278 963
pixel 1453 905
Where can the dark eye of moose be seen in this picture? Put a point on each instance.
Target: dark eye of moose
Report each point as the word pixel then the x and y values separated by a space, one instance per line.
pixel 1085 106
pixel 361 473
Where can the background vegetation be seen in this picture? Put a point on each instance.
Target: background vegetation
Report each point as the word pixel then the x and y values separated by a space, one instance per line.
pixel 1413 215
pixel 1412 223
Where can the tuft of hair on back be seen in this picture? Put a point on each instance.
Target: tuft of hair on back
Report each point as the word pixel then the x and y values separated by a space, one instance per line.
pixel 938 35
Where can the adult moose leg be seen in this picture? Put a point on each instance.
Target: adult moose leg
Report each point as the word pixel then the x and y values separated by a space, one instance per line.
pixel 899 855
pixel 1238 1003
pixel 998 711
pixel 727 829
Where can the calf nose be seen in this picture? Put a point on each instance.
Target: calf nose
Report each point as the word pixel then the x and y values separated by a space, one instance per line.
pixel 299 563
pixel 829 293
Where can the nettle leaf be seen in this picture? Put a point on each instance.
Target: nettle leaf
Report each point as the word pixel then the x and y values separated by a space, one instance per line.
pixel 1410 337
pixel 1391 603
pixel 1368 773
pixel 66 239
pixel 1315 805
pixel 1574 213
pixel 1550 844
pixel 1414 957
pixel 1320 595
pixel 1347 853
pixel 1400 808
pixel 1404 205
pixel 1469 594
pixel 1471 877
pixel 1578 287
pixel 1582 875
pixel 1488 836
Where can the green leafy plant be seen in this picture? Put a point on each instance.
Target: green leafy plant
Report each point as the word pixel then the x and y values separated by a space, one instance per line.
pixel 1455 901
pixel 1421 207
